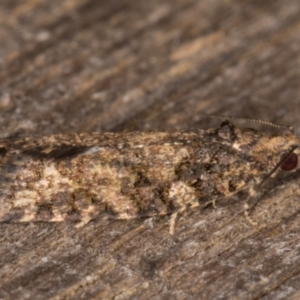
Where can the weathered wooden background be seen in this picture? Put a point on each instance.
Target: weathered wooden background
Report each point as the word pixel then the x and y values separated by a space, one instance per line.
pixel 88 65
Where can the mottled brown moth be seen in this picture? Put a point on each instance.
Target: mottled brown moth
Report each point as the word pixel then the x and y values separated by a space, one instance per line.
pixel 128 175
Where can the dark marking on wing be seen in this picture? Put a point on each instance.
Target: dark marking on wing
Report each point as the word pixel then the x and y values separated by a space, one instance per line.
pixel 57 154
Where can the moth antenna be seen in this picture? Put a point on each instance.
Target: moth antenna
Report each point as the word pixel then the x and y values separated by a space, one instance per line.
pixel 290 128
pixel 278 165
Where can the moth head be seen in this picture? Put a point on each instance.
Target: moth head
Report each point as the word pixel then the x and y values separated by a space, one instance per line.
pixel 284 149
pixel 288 162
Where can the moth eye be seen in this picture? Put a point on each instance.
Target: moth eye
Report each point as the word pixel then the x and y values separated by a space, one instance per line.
pixel 290 163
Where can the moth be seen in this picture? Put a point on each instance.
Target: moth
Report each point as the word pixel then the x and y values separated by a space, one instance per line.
pixel 85 176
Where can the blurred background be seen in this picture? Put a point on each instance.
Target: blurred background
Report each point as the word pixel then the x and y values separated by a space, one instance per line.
pixel 87 65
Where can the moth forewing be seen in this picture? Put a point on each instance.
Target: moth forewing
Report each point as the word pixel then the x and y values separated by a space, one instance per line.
pixel 85 176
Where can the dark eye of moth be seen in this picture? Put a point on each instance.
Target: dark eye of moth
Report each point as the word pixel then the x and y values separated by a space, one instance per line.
pixel 290 163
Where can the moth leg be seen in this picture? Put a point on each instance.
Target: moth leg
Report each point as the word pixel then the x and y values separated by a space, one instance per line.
pixel 82 223
pixel 248 208
pixel 175 214
pixel 85 216
pixel 173 219
pixel 214 203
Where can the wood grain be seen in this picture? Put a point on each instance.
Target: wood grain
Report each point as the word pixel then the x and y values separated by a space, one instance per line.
pixel 73 65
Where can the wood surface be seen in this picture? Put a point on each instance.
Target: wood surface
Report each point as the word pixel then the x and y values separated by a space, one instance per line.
pixel 88 65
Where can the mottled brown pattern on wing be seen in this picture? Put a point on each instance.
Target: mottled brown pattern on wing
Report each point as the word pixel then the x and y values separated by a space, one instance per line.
pixel 126 175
